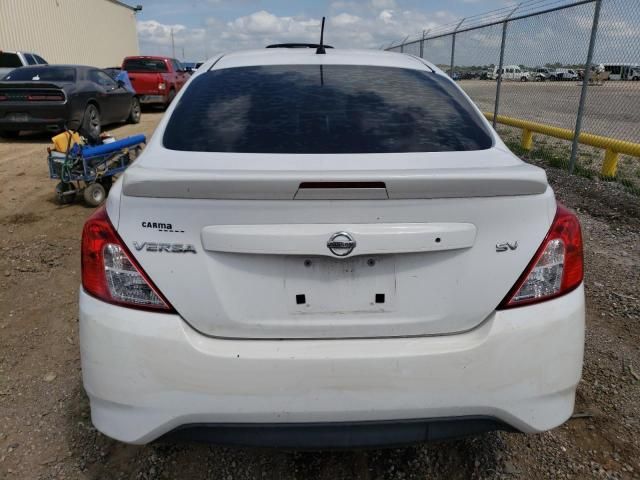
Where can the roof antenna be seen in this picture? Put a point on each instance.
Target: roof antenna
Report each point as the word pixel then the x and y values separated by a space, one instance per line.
pixel 320 50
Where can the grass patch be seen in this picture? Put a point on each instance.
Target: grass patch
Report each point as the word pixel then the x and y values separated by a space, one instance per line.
pixel 557 156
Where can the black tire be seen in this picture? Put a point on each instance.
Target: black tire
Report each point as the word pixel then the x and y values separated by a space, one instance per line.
pixel 523 79
pixel 91 125
pixel 136 111
pixel 65 193
pixel 94 194
pixel 10 134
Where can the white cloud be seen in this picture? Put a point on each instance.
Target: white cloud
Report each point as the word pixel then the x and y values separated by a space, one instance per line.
pixel 151 32
pixel 351 24
pixel 386 16
pixel 344 19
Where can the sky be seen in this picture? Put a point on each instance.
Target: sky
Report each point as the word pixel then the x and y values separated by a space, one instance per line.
pixel 207 27
pixel 203 28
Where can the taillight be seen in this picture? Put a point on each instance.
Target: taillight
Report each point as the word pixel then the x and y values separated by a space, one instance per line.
pixel 162 86
pixel 3 97
pixel 557 266
pixel 110 272
pixel 46 97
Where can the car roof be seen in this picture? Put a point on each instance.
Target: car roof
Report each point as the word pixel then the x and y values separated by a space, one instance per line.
pixel 151 57
pixel 56 65
pixel 308 56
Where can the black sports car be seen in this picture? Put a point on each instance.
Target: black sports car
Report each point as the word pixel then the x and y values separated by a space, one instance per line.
pixel 54 97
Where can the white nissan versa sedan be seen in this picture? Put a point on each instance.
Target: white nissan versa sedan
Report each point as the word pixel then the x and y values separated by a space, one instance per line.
pixel 329 250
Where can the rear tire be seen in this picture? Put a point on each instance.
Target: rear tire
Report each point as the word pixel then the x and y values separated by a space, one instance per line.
pixel 91 125
pixel 10 134
pixel 136 111
pixel 523 79
pixel 94 194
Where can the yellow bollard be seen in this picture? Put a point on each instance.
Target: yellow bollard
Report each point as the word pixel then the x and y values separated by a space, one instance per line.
pixel 527 139
pixel 610 164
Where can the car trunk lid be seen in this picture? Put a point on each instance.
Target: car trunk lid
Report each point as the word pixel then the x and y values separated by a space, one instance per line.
pixel 335 253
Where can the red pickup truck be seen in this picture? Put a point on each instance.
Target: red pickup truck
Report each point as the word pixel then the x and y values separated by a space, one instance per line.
pixel 156 80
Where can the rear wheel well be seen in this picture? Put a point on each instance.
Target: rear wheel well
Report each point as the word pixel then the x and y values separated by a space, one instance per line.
pixel 94 103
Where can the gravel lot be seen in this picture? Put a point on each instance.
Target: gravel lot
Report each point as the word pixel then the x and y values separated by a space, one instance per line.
pixel 612 109
pixel 46 433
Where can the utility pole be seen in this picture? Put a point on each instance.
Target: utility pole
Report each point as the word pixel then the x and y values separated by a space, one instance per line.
pixel 453 47
pixel 501 65
pixel 182 53
pixel 173 45
pixel 585 86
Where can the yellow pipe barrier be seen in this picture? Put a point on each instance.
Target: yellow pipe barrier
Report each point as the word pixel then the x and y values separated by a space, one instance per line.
pixel 613 147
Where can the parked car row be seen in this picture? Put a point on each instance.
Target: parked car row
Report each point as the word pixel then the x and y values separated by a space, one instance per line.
pixel 37 96
pixel 540 74
pixel 543 74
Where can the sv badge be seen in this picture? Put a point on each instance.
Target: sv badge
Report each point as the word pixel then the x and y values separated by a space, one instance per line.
pixel 504 246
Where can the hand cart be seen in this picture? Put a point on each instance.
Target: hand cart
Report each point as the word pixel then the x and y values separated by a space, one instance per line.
pixel 90 169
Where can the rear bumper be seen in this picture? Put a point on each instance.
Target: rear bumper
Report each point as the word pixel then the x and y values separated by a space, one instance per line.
pixel 147 374
pixel 35 117
pixel 336 435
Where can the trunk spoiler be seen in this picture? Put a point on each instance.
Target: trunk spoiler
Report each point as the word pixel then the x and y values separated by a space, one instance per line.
pixel 522 179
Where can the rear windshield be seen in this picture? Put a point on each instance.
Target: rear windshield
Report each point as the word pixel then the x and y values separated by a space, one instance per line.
pixel 328 109
pixel 144 65
pixel 44 74
pixel 9 60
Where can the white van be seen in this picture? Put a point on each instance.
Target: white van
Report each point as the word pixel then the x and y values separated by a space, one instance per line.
pixel 511 72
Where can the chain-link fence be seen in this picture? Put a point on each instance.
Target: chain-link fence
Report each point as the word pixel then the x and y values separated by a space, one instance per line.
pixel 550 68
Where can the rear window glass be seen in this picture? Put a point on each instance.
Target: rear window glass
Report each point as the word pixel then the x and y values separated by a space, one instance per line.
pixel 144 65
pixel 328 109
pixel 9 60
pixel 44 74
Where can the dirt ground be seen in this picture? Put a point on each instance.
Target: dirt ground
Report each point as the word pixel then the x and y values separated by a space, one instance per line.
pixel 46 432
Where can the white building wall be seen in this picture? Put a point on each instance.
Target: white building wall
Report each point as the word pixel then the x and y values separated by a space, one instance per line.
pixel 86 32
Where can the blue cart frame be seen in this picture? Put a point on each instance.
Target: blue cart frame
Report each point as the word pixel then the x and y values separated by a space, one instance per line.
pixel 92 166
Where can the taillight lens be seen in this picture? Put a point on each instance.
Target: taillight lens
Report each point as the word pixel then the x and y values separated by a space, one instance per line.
pixel 162 86
pixel 47 97
pixel 109 271
pixel 557 266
